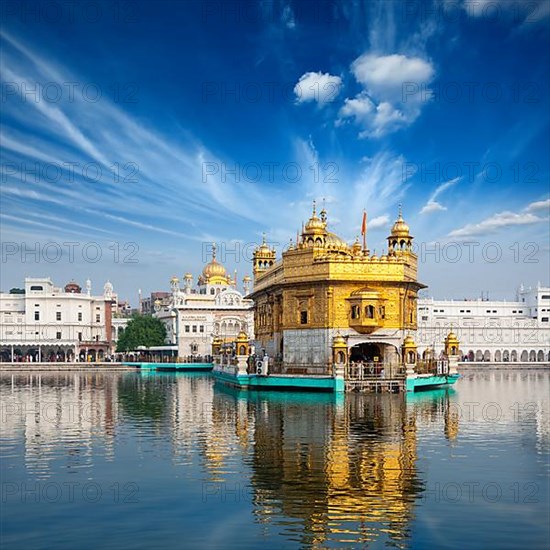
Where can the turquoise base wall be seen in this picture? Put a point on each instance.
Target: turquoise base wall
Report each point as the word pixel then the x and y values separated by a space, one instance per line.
pixel 275 382
pixel 173 366
pixel 430 382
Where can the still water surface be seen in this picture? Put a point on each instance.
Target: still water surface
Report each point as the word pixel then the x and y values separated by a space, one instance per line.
pixel 135 460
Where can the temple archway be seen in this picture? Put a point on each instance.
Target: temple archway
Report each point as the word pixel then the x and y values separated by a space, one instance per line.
pixel 366 352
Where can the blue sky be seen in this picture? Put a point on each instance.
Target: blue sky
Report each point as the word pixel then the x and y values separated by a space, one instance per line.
pixel 165 126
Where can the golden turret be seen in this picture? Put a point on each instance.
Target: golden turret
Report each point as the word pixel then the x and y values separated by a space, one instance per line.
pixel 263 257
pixel 400 239
pixel 451 344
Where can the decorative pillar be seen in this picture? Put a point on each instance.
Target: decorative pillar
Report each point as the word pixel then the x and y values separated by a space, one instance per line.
pixel 409 361
pixel 339 361
pixel 242 349
pixel 216 346
pixel 12 353
pixel 451 351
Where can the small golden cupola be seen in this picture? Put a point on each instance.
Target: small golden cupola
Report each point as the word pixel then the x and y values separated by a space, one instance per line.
pixel 400 238
pixel 451 344
pixel 315 230
pixel 263 257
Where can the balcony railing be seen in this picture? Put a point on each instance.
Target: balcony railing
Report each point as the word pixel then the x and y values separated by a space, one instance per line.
pixel 374 370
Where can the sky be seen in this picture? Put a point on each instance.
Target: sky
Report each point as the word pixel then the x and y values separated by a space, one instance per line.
pixel 136 134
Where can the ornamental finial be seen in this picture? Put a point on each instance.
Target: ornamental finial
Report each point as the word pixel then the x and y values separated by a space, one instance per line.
pixel 213 251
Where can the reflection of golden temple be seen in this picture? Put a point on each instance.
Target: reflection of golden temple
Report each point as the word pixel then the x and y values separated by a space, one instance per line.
pixel 322 287
pixel 345 471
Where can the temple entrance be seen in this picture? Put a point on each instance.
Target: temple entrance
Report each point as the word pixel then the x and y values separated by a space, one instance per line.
pixel 366 352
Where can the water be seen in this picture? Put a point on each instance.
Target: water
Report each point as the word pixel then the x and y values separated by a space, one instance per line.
pixel 130 460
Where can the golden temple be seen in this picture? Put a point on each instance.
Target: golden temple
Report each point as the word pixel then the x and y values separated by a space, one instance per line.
pixel 323 291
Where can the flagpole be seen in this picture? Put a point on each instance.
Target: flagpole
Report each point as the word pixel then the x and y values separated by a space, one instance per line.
pixel 364 230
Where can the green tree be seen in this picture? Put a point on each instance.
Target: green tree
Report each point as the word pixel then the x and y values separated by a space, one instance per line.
pixel 142 330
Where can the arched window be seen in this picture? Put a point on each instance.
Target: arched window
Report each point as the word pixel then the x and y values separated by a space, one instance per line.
pixel 369 312
pixel 355 312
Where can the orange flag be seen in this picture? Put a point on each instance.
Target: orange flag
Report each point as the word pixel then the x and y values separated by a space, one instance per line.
pixel 364 224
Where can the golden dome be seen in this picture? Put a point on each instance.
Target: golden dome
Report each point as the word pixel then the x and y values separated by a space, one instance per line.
pixel 316 224
pixel 356 246
pixel 188 276
pixel 242 335
pixel 263 248
pixel 409 341
pixel 214 269
pixel 334 241
pixel 247 278
pixel 174 279
pixel 400 228
pixel 451 337
pixel 339 340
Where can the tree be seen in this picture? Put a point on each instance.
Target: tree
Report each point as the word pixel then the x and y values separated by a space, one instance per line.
pixel 142 330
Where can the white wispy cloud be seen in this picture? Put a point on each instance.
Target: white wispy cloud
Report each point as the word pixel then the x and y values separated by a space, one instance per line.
pixel 393 93
pixel 379 222
pixel 433 205
pixel 316 86
pixel 503 220
pixel 153 176
pixel 538 205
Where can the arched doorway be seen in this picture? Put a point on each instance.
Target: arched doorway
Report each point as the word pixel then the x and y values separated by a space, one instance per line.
pixel 479 355
pixel 506 356
pixel 532 355
pixel 524 356
pixel 540 356
pixel 498 356
pixel 366 352
pixel 487 355
pixel 514 355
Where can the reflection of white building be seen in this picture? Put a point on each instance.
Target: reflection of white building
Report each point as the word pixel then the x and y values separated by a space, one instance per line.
pixel 41 409
pixel 49 323
pixel 193 316
pixel 497 331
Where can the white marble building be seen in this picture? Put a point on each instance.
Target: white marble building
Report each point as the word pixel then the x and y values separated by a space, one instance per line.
pixel 490 331
pixel 48 323
pixel 195 315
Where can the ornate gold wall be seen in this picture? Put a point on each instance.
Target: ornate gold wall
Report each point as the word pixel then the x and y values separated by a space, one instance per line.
pixel 324 283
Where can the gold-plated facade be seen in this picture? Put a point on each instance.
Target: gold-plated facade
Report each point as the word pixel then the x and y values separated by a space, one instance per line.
pixel 323 286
